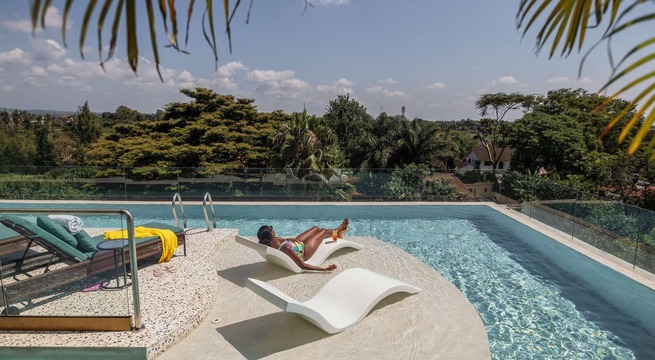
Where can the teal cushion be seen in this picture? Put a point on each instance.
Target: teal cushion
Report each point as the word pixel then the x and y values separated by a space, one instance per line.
pixel 85 243
pixel 52 240
pixel 57 230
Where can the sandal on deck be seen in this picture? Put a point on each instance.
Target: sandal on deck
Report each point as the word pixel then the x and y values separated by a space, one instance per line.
pixel 170 268
pixel 158 272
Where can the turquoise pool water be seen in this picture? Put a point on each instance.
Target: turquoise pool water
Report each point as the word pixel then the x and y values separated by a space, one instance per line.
pixel 537 298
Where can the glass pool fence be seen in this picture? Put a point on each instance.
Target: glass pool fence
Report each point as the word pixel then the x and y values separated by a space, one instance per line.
pixel 607 223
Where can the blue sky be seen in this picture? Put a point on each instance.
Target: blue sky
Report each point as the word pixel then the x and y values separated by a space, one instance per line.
pixel 435 57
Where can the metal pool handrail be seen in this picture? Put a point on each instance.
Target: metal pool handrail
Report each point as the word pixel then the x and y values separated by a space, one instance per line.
pixel 211 206
pixel 138 325
pixel 179 198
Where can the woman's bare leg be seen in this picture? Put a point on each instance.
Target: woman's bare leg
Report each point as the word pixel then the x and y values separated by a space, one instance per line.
pixel 313 237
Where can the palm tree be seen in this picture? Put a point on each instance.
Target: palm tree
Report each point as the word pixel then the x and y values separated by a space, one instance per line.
pixel 417 144
pixel 306 145
pixel 566 27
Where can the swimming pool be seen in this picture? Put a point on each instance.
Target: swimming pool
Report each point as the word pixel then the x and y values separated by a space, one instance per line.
pixel 536 297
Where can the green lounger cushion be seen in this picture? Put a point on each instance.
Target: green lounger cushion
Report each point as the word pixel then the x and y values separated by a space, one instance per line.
pixel 57 230
pixel 47 237
pixel 85 243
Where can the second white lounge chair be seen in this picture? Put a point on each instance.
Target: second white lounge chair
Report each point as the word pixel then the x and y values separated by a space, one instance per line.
pixel 279 258
pixel 342 302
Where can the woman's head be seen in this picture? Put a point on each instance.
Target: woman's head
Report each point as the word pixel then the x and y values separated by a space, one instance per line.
pixel 265 234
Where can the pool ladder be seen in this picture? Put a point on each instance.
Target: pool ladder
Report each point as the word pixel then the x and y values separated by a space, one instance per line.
pixel 206 198
pixel 178 198
pixel 211 206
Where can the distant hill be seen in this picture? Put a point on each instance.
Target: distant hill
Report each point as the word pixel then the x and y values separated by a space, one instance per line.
pixel 40 112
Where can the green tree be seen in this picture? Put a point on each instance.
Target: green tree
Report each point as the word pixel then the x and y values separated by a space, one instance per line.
pixel 419 143
pixel 582 106
pixel 45 149
pixel 555 142
pixel 492 132
pixel 85 127
pixel 213 131
pixel 307 145
pixel 350 122
pixel 379 143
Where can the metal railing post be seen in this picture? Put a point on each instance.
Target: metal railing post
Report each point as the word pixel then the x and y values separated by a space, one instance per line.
pixel 204 209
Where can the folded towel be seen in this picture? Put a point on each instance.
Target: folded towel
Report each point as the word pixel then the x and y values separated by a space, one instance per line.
pixel 168 239
pixel 71 223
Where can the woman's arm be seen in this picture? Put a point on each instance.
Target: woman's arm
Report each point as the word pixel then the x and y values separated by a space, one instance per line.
pixel 292 254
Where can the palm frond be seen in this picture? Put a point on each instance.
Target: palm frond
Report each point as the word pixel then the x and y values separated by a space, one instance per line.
pixel 565 28
pixel 168 11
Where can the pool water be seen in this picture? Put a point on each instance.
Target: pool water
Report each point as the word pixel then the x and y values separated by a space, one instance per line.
pixel 537 298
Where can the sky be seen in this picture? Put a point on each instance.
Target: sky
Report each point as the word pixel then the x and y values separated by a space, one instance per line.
pixel 434 57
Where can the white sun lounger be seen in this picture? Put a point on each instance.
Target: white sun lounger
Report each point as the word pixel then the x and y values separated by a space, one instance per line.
pixel 343 302
pixel 277 257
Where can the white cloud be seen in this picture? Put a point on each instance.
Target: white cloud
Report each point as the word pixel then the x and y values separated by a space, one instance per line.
pixel 558 80
pixel 435 86
pixel 35 81
pixel 339 87
pixel 388 81
pixel 586 81
pixel 74 82
pixel 185 80
pixel 229 69
pixel 185 76
pixel 14 57
pixel 38 71
pixel 344 82
pixel 226 84
pixel 48 50
pixel 269 75
pixel 279 84
pixel 53 19
pixel 378 90
pixel 508 80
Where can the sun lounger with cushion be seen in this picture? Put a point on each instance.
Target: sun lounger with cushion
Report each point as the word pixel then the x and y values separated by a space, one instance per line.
pixel 277 257
pixel 341 303
pixel 78 251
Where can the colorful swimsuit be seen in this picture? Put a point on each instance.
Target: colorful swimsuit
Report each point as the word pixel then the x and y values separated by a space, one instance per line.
pixel 297 247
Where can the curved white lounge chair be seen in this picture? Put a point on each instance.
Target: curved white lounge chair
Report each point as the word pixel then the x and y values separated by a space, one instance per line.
pixel 343 302
pixel 279 258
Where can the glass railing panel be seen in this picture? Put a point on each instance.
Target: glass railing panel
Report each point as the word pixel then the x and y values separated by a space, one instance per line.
pixel 645 252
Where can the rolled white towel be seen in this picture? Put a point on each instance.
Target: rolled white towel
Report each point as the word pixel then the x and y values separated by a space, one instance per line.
pixel 71 223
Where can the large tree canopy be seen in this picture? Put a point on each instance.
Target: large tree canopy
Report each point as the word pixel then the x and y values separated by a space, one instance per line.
pixel 213 131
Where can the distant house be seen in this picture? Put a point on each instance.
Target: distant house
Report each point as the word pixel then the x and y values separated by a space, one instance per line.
pixel 479 159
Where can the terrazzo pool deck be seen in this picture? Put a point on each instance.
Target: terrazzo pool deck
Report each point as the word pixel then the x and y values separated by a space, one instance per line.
pixel 204 310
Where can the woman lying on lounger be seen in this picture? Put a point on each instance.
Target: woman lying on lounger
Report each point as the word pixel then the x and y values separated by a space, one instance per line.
pixel 303 246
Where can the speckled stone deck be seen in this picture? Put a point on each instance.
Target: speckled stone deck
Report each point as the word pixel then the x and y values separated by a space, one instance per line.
pixel 172 305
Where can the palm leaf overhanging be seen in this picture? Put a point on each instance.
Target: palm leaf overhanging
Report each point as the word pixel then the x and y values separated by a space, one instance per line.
pixel 127 8
pixel 565 27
